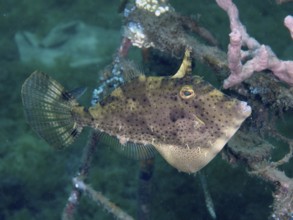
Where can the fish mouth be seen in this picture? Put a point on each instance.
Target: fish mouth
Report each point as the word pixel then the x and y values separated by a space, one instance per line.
pixel 244 108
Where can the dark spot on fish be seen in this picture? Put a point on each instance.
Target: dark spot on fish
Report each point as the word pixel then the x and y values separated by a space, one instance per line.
pixel 174 98
pixel 109 99
pixel 176 114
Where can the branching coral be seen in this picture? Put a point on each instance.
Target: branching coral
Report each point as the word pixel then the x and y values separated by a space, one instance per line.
pixel 260 57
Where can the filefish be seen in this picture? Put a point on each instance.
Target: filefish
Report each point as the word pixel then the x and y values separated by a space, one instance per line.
pixel 182 117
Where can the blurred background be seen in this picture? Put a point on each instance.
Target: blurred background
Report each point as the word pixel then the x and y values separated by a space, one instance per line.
pixel 35 180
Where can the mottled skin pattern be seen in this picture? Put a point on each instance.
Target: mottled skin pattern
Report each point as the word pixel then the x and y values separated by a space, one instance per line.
pixel 183 117
pixel 154 110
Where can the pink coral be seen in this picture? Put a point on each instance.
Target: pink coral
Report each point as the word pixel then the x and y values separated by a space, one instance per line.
pixel 288 22
pixel 262 57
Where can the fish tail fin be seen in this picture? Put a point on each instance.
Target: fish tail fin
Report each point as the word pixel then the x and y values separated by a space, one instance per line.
pixel 48 109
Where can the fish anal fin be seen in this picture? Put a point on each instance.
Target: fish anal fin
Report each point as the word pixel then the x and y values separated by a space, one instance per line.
pixel 129 149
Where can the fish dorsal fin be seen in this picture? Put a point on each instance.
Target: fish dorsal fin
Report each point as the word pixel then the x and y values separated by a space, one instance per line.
pixel 185 67
pixel 130 149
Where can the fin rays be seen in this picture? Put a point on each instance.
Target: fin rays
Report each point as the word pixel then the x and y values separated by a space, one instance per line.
pixel 130 149
pixel 48 108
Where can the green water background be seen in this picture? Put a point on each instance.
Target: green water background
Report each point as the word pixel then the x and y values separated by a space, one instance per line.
pixel 35 180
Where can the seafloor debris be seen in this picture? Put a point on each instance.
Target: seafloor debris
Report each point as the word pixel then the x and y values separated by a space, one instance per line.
pixel 73 42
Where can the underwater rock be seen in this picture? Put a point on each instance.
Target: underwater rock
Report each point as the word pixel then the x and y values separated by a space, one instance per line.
pixel 76 42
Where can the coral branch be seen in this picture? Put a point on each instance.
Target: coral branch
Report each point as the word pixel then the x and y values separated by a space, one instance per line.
pixel 144 189
pixel 80 187
pixel 255 153
pixel 169 33
pixel 262 56
pixel 72 202
pixel 283 195
pixel 69 210
pixel 101 200
pixel 288 22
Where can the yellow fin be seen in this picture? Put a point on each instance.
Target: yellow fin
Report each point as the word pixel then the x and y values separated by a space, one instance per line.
pixel 185 67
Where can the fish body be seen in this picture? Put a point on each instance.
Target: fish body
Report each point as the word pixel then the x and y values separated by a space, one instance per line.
pixel 182 117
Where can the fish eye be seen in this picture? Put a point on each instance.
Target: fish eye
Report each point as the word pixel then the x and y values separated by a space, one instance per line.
pixel 187 92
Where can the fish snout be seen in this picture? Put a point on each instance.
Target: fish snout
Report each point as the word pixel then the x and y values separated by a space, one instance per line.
pixel 244 108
